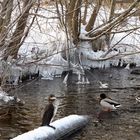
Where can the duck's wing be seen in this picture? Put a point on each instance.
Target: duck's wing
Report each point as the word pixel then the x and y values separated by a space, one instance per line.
pixel 106 104
pixel 112 102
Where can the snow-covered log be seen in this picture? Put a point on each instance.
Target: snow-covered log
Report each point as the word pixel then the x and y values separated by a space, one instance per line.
pixel 64 127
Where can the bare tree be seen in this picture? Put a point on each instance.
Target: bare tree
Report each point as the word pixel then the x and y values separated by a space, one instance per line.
pixel 13 47
pixel 85 12
pixel 76 22
pixel 111 15
pixel 94 14
pixel 5 18
pixel 13 33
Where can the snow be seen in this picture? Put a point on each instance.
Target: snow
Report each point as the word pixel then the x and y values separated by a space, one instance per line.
pixel 129 44
pixel 6 99
pixel 41 50
pixel 103 85
pixel 53 67
pixel 4 96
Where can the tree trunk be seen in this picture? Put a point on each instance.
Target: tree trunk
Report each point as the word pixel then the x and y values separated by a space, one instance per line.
pixel 92 19
pixel 111 15
pixel 69 15
pixel 5 18
pixel 13 47
pixel 76 22
pixel 85 13
pixel 94 34
pixel 3 12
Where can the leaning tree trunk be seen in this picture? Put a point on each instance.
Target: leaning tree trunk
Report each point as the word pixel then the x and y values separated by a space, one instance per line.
pixel 72 19
pixel 13 46
pixel 111 15
pixel 94 34
pixel 69 15
pixel 92 19
pixel 76 22
pixel 85 12
pixel 5 18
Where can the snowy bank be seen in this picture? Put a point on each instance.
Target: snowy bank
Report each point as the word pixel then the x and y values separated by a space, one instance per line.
pixel 6 99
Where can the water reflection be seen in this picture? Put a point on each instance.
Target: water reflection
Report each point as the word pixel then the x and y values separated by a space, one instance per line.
pixel 81 99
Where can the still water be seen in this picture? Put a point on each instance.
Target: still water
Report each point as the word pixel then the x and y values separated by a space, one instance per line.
pixel 81 99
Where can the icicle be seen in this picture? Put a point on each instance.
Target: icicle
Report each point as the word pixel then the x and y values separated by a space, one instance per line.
pixel 102 65
pixel 79 77
pixel 127 66
pixel 66 79
pixel 87 81
pixel 16 80
pixel 121 63
pixel 47 76
pixel 83 79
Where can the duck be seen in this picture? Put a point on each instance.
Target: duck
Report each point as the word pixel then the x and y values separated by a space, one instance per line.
pixel 107 103
pixel 50 111
pixel 103 85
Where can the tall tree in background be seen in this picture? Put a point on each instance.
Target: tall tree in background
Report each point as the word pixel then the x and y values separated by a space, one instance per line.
pixel 76 12
pixel 14 45
pixel 13 32
pixel 13 27
pixel 111 15
pixel 73 20
pixel 93 17
pixel 5 19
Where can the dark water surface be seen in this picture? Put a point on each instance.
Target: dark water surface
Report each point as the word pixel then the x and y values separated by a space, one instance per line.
pixel 81 99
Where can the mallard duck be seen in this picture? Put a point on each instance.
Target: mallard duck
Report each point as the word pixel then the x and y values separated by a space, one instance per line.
pixel 107 103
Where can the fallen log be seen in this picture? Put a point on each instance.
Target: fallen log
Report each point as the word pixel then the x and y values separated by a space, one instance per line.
pixel 64 127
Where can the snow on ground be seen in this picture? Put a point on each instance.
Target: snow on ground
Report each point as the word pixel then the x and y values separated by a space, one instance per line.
pixel 5 98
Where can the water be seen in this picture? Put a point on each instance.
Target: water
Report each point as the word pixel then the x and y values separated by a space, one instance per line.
pixel 81 99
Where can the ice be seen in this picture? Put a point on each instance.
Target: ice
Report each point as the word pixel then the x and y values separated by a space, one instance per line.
pixel 43 46
pixel 66 79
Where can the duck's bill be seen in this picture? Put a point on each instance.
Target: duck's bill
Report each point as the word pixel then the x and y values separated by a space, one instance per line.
pixel 118 106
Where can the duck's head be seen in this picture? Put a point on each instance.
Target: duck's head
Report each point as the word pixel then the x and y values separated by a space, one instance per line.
pixel 51 98
pixel 102 96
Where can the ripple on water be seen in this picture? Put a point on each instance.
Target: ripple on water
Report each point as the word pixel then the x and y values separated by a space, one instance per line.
pixel 81 99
